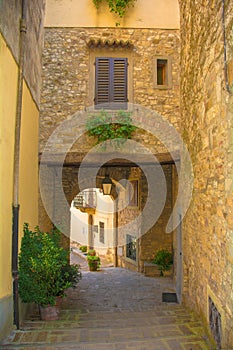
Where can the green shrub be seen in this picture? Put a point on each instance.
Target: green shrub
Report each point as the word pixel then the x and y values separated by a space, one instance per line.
pixel 83 248
pixel 92 259
pixel 164 260
pixel 44 270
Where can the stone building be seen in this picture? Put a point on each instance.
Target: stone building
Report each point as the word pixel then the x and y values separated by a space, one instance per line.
pixel 206 116
pixel 175 66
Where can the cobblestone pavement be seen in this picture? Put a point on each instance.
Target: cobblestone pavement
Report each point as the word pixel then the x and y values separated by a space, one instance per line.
pixel 114 309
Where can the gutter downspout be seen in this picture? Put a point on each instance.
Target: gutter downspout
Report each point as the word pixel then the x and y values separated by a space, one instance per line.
pixel 15 207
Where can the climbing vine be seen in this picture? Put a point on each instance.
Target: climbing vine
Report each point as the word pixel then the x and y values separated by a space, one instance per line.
pixel 114 128
pixel 117 6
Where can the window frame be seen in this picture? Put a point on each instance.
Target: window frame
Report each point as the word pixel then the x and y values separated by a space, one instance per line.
pixel 111 82
pixel 101 232
pixel 168 72
pixel 134 240
pixel 110 53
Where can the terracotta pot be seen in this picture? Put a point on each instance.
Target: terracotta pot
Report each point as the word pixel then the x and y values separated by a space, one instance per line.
pixel 93 267
pixel 49 313
pixel 59 301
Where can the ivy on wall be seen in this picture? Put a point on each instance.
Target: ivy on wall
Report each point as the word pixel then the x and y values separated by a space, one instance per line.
pixel 117 6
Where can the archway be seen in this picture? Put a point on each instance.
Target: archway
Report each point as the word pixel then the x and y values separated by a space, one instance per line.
pixel 93 222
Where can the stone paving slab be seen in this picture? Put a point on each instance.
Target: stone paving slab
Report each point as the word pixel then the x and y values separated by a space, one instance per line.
pixel 114 309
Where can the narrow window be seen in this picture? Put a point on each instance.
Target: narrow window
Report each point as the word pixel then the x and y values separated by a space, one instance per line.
pixel 131 247
pixel 111 83
pixel 161 72
pixel 101 225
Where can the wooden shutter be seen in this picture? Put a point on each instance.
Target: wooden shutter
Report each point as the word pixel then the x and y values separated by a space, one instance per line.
pixel 119 93
pixel 111 83
pixel 102 81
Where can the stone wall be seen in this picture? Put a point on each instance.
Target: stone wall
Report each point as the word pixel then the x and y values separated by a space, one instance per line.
pixel 157 238
pixel 206 122
pixel 67 72
pixel 10 14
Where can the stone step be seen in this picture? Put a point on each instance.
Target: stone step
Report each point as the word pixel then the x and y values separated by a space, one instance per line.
pixel 70 320
pixel 107 336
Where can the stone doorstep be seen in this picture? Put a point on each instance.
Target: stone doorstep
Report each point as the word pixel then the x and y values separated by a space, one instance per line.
pixel 152 270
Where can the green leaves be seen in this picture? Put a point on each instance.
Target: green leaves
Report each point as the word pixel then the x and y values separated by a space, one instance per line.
pixel 44 271
pixel 116 128
pixel 164 260
pixel 117 6
pixel 93 259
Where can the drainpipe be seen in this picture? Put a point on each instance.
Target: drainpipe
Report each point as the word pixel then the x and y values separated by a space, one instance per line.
pixel 15 213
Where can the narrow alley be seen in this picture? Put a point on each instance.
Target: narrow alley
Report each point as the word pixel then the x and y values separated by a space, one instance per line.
pixel 114 308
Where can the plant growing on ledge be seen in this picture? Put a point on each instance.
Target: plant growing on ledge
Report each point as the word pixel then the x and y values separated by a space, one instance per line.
pixel 83 248
pixel 117 6
pixel 164 260
pixel 116 128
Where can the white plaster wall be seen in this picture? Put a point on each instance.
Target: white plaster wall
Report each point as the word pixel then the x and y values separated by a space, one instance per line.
pixel 104 213
pixel 79 226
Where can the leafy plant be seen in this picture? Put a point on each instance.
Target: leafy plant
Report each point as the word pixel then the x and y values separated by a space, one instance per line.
pixel 93 260
pixel 114 128
pixel 117 6
pixel 164 260
pixel 44 270
pixel 91 252
pixel 72 274
pixel 83 248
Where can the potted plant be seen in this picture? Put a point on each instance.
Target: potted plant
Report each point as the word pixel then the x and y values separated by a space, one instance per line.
pixel 83 248
pixel 93 260
pixel 44 270
pixel 164 260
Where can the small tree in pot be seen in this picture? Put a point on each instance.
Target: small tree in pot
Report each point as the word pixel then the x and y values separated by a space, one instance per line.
pixel 44 270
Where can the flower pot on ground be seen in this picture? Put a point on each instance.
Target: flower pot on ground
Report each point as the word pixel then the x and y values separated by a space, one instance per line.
pixel 49 313
pixel 164 260
pixel 44 270
pixel 83 248
pixel 93 260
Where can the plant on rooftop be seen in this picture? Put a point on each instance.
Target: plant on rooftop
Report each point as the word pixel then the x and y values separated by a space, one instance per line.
pixel 117 6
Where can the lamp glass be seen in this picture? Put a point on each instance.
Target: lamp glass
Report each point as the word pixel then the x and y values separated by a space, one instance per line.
pixel 107 185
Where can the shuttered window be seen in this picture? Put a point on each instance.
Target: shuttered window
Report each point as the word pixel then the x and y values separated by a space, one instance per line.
pixel 111 83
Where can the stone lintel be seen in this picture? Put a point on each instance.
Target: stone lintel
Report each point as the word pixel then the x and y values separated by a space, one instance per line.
pixel 75 159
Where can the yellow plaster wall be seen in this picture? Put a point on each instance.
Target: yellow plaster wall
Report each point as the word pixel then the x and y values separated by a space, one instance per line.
pixel 28 194
pixel 28 181
pixel 8 93
pixel 82 13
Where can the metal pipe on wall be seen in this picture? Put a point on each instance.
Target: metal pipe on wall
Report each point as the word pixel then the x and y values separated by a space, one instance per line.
pixel 15 209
